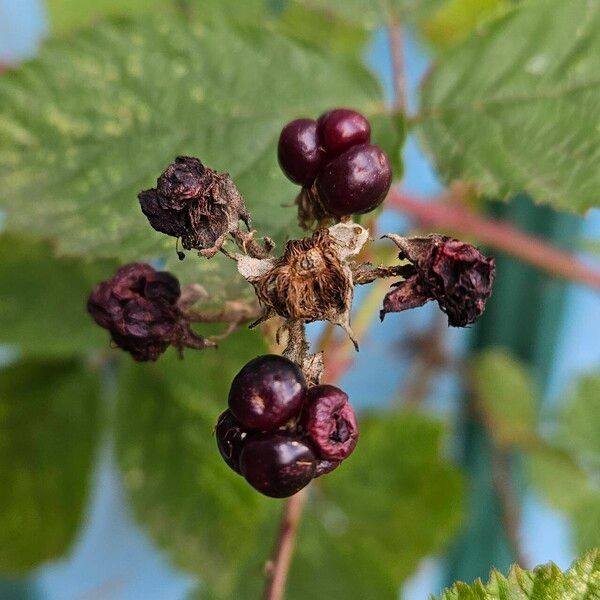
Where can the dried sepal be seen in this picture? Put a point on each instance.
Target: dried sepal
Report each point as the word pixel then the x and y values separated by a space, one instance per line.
pixel 453 273
pixel 310 210
pixel 196 204
pixel 312 281
pixel 140 308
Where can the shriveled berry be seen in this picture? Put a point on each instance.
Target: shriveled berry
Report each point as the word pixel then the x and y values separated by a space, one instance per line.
pixel 139 307
pixel 326 466
pixel 452 272
pixel 342 128
pixel 329 422
pixel 267 392
pixel 300 157
pixel 277 465
pixel 230 435
pixel 355 182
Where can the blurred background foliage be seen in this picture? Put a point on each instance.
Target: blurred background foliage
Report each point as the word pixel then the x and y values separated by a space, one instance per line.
pixel 114 94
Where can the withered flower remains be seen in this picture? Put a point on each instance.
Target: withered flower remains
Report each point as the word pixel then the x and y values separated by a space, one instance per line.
pixel 454 273
pixel 196 204
pixel 312 281
pixel 138 306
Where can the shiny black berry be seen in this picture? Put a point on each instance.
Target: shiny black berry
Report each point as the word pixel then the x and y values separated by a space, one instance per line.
pixel 342 128
pixel 267 392
pixel 230 435
pixel 277 465
pixel 329 422
pixel 355 182
pixel 300 157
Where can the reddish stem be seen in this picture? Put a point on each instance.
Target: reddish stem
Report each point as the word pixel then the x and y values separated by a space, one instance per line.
pixel 498 234
pixel 279 567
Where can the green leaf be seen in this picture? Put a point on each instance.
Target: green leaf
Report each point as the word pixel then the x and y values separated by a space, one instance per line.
pixel 371 14
pixel 42 300
pixel 567 473
pixel 547 582
pixel 581 420
pixel 70 14
pixel 515 107
pixel 99 115
pixel 454 20
pixel 49 429
pixel 507 396
pixel 205 516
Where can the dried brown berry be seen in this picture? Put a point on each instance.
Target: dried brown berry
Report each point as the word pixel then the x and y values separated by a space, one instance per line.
pixel 452 272
pixel 312 281
pixel 196 204
pixel 329 422
pixel 138 306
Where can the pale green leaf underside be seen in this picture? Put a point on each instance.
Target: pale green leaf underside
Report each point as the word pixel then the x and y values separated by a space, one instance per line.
pixel 517 106
pixel 548 582
pixel 49 429
pixel 99 115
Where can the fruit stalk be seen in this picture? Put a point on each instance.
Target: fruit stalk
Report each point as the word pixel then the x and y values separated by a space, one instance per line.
pixel 279 566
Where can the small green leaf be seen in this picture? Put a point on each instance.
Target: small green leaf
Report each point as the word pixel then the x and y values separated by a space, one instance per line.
pixel 567 473
pixel 547 582
pixel 456 19
pixel 97 117
pixel 507 395
pixel 205 516
pixel 43 299
pixel 581 421
pixel 49 425
pixel 516 106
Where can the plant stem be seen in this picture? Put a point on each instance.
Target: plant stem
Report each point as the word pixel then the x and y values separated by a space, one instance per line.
pixel 396 40
pixel 501 235
pixel 279 567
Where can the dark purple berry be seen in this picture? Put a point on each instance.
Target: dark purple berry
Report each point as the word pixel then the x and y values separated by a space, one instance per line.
pixel 300 157
pixel 329 422
pixel 342 128
pixel 355 182
pixel 277 465
pixel 230 435
pixel 326 466
pixel 267 392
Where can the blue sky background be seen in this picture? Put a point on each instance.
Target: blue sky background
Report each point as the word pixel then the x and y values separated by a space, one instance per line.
pixel 114 560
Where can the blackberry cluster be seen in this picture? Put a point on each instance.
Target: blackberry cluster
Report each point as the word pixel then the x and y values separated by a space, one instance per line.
pixel 333 160
pixel 279 433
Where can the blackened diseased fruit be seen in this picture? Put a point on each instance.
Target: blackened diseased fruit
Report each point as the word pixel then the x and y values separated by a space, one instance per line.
pixel 329 422
pixel 267 392
pixel 231 436
pixel 298 151
pixel 138 306
pixel 196 204
pixel 452 272
pixel 340 129
pixel 277 465
pixel 355 182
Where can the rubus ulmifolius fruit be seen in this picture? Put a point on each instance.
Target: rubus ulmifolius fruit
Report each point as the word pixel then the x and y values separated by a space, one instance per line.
pixel 355 182
pixel 340 129
pixel 267 392
pixel 329 423
pixel 231 436
pixel 277 465
pixel 300 156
